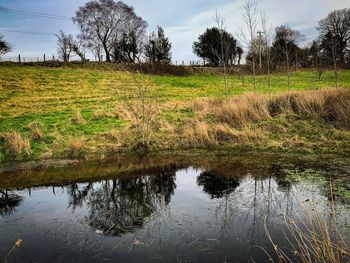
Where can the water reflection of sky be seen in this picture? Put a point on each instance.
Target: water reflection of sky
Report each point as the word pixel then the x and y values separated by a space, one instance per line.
pixel 177 215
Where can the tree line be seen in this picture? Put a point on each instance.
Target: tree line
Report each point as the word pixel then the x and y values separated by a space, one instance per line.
pixel 113 32
pixel 284 50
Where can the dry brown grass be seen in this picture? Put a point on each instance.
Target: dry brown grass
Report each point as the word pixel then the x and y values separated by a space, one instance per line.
pixel 202 133
pixel 236 111
pixel 237 119
pixel 112 135
pixel 312 240
pixel 78 118
pixel 330 105
pixel 16 145
pixel 101 114
pixel 35 128
pixel 76 147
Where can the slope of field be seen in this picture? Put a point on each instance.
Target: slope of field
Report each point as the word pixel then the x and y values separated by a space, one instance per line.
pixel 71 111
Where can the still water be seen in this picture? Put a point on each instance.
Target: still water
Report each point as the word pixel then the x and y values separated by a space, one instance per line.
pixel 186 211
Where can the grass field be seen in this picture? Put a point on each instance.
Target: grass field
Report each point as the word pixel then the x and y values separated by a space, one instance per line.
pixel 71 111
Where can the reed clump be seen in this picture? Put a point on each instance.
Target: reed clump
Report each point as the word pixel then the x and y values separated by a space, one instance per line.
pixel 312 240
pixel 330 105
pixel 36 133
pixel 16 145
pixel 78 118
pixel 101 114
pixel 76 146
pixel 202 133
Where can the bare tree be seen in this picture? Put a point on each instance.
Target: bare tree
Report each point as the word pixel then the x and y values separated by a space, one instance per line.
pixel 78 48
pixel 5 47
pixel 226 54
pixel 334 48
pixel 267 42
pixel 318 58
pixel 95 47
pixel 64 45
pixel 99 21
pixel 250 20
pixel 286 40
pixel 135 30
pixel 141 107
pixel 104 23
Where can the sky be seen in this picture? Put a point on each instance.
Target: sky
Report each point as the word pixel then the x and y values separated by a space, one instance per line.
pixel 182 20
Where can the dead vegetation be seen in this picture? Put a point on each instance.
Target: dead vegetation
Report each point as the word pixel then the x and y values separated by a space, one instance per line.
pixel 330 105
pixel 204 134
pixel 35 128
pixel 76 147
pixel 101 114
pixel 314 239
pixel 237 119
pixel 140 108
pixel 16 145
pixel 78 118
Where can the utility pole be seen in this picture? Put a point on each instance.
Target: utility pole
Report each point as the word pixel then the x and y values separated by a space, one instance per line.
pixel 260 46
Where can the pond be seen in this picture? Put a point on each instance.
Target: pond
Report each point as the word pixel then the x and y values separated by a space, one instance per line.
pixel 217 208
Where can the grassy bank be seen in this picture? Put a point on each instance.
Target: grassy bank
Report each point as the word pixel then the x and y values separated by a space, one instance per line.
pixel 82 112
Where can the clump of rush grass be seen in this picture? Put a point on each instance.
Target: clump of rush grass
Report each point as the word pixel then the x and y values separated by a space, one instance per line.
pixel 16 145
pixel 330 105
pixel 201 133
pixel 35 128
pixel 76 146
pixel 236 111
pixel 112 135
pixel 101 114
pixel 78 117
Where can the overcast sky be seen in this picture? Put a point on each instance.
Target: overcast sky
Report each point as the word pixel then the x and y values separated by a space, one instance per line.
pixel 183 20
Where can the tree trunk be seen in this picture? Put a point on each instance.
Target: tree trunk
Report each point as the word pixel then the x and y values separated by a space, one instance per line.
pixel 254 76
pixel 108 56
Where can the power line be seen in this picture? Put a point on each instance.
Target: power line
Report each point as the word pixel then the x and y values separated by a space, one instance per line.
pixel 2 9
pixel 26 32
pixel 34 14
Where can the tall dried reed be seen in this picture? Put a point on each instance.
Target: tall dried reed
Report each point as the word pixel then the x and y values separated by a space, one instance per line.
pixel 330 105
pixel 312 240
pixel 16 145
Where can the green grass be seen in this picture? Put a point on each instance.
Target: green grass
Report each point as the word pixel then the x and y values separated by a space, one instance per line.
pixel 51 97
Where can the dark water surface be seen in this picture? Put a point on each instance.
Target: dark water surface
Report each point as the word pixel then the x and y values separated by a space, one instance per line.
pixel 188 210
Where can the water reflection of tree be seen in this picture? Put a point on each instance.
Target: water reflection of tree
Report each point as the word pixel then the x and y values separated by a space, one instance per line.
pixel 215 185
pixel 248 200
pixel 77 196
pixel 8 202
pixel 121 205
